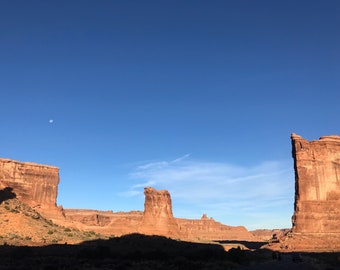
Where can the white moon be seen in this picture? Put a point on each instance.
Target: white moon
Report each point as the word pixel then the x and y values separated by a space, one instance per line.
pixel 51 121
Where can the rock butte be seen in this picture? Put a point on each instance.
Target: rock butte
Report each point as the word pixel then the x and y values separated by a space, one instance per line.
pixel 158 218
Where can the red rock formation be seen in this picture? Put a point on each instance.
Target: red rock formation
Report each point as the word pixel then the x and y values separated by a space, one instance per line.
pixel 209 229
pixel 317 185
pixel 37 186
pixel 105 222
pixel 34 184
pixel 89 217
pixel 266 235
pixel 158 218
pixel 316 219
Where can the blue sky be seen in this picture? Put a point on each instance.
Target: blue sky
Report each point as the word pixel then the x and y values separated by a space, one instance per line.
pixel 197 97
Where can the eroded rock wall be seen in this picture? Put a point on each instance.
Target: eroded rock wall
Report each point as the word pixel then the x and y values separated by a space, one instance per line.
pixel 209 229
pixel 34 184
pixel 317 185
pixel 104 222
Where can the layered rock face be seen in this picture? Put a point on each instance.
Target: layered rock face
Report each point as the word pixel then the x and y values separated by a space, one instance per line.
pixel 104 222
pixel 209 229
pixel 158 218
pixel 317 185
pixel 34 184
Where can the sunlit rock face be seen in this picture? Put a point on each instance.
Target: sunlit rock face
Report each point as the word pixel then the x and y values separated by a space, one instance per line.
pixel 34 184
pixel 209 229
pixel 37 186
pixel 317 185
pixel 158 218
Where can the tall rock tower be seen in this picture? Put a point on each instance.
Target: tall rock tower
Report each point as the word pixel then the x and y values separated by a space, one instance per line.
pixel 158 218
pixel 317 185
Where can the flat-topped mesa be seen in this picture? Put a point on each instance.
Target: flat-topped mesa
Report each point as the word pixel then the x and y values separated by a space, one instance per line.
pixel 317 185
pixel 207 229
pixel 34 184
pixel 158 218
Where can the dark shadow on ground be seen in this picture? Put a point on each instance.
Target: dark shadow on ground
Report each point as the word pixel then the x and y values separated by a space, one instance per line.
pixel 6 194
pixel 133 251
pixel 247 244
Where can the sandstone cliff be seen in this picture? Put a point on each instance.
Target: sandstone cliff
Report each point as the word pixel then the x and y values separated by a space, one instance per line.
pixel 34 184
pixel 158 218
pixel 316 219
pixel 209 229
pixel 104 222
pixel 317 185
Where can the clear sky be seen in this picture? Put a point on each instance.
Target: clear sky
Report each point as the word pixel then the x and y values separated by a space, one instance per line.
pixel 196 97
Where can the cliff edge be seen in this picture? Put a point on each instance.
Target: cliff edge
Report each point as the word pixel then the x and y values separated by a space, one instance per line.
pixel 32 183
pixel 317 185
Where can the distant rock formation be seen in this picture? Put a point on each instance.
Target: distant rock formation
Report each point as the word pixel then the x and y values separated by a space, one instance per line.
pixel 157 219
pixel 209 229
pixel 104 222
pixel 317 185
pixel 34 184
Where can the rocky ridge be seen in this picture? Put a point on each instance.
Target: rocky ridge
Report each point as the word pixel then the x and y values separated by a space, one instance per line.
pixel 20 224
